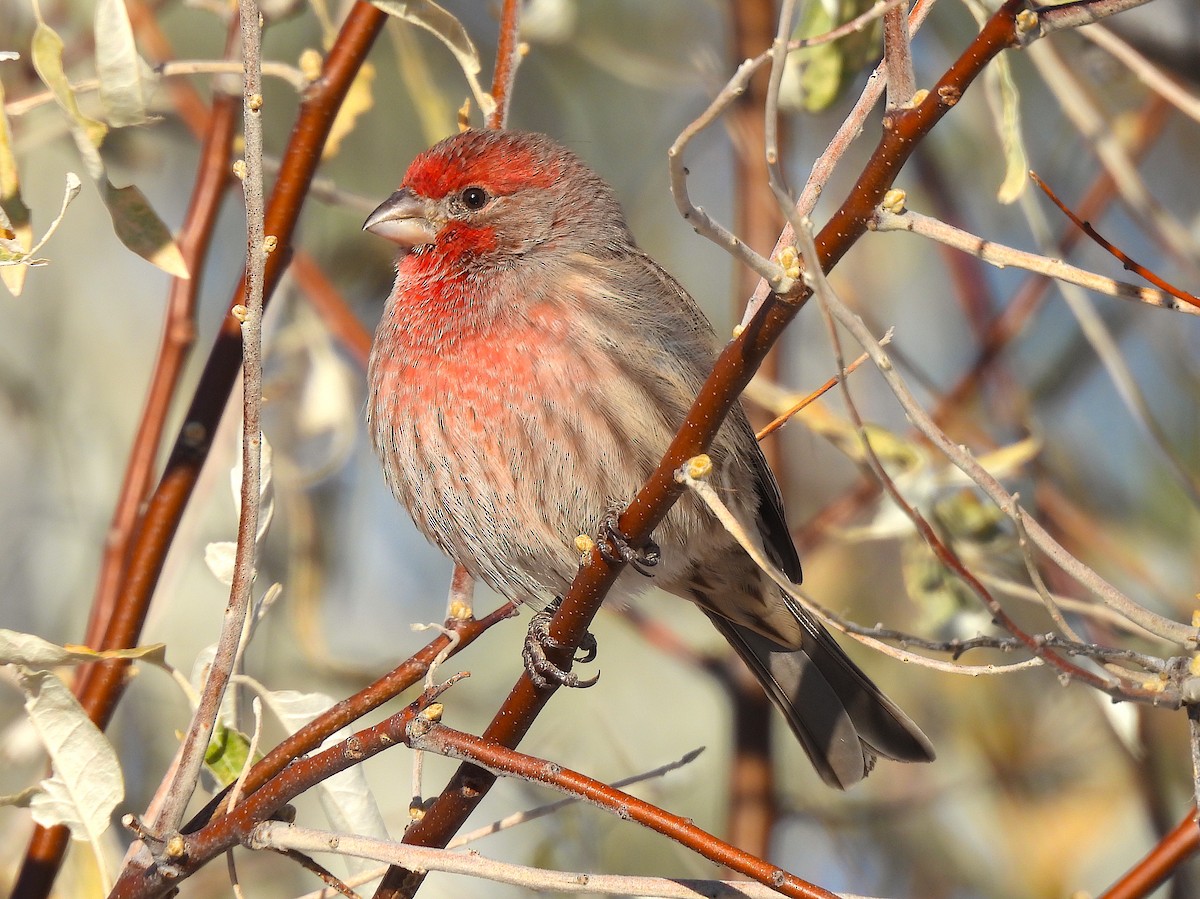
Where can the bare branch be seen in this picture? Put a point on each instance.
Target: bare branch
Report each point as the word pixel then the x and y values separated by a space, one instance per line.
pixel 278 835
pixel 1002 256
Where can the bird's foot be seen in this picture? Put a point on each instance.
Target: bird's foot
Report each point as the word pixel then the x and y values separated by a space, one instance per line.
pixel 616 548
pixel 542 671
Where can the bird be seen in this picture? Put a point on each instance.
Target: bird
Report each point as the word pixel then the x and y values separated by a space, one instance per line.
pixel 529 370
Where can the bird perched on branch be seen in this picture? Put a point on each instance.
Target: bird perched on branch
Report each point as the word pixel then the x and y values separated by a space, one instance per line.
pixel 530 369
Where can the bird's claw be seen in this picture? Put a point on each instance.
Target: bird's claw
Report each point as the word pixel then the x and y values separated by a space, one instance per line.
pixel 616 548
pixel 542 670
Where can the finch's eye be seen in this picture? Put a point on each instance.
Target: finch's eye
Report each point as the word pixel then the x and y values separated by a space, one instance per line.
pixel 475 198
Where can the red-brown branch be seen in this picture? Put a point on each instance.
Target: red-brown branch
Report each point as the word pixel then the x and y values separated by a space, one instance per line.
pixel 1153 870
pixel 508 56
pixel 457 745
pixel 1129 264
pixel 278 777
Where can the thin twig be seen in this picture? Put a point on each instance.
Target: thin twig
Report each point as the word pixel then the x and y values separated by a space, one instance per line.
pixel 1129 264
pixel 769 271
pixel 1002 256
pixel 550 808
pixel 799 405
pixel 1108 351
pixel 172 69
pixel 1081 12
pixel 1079 108
pixel 866 636
pixel 277 835
pixel 499 760
pixel 233 622
pixel 1172 631
pixel 847 132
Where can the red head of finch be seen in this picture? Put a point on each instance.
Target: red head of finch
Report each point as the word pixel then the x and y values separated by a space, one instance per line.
pixel 530 369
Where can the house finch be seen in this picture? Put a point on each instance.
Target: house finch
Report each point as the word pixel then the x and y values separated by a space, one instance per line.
pixel 531 367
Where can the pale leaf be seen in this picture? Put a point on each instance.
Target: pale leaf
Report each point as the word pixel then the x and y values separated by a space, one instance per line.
pixel 125 79
pixel 85 785
pixel 134 221
pixel 1004 100
pixel 346 797
pixel 1016 162
pixel 219 557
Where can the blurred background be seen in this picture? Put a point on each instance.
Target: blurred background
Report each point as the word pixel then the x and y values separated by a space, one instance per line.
pixel 1040 788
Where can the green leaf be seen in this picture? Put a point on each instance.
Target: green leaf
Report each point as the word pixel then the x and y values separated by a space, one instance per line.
pixel 816 76
pixel 226 755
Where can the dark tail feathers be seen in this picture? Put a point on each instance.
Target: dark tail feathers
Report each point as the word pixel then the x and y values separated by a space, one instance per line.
pixel 841 718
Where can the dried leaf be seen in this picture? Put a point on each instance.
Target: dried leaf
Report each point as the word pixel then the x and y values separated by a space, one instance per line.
pixel 126 81
pixel 139 228
pixel 33 652
pixel 1005 102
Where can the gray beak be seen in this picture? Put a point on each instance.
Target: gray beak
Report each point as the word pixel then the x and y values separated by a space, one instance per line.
pixel 402 218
